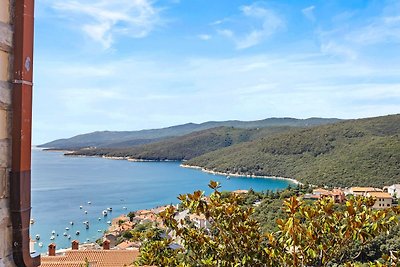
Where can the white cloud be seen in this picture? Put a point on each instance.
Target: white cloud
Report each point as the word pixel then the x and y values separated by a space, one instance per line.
pixel 164 92
pixel 266 22
pixel 308 12
pixel 103 20
pixel 383 29
pixel 204 37
pixel 353 33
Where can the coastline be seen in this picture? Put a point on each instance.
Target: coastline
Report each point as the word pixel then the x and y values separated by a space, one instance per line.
pixel 296 182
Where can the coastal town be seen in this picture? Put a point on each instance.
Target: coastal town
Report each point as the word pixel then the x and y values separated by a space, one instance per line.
pixel 120 246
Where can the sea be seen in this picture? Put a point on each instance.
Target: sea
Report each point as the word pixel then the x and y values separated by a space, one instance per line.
pixel 69 189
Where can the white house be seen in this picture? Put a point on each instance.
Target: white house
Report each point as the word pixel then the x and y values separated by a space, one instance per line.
pixel 394 190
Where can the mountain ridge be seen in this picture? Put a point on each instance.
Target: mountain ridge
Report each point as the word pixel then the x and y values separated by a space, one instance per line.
pixel 107 139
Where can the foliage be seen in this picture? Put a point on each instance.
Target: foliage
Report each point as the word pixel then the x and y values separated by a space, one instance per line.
pixel 185 147
pixel 308 235
pixel 351 153
pixel 122 139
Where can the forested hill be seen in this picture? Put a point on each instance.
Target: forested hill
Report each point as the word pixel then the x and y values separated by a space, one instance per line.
pixel 122 139
pixel 355 152
pixel 187 146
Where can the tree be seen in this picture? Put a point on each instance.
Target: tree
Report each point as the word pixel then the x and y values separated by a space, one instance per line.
pixel 309 234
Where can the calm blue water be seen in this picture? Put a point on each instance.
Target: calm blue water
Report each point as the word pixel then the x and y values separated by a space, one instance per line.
pixel 61 184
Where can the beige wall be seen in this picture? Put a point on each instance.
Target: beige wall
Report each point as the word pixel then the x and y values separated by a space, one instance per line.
pixel 5 132
pixel 382 203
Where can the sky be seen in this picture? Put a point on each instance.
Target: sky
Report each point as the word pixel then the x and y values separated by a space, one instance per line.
pixel 142 64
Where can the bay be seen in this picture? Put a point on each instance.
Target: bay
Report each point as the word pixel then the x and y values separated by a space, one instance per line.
pixel 61 184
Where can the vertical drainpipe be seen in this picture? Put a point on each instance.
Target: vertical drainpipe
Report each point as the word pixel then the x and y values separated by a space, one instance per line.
pixel 20 184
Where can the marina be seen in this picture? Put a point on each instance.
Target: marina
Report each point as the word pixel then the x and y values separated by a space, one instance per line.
pixel 106 189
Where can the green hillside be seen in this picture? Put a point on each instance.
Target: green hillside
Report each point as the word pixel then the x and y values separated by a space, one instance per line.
pixel 121 139
pixel 187 146
pixel 354 152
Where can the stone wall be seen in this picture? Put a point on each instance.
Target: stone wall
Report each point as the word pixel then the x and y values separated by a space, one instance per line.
pixel 5 131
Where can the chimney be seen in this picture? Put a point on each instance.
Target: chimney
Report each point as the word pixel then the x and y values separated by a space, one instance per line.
pixel 75 245
pixel 52 249
pixel 106 244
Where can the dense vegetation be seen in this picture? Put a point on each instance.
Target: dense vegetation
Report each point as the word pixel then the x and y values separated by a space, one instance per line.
pixel 354 152
pixel 317 234
pixel 188 146
pixel 121 139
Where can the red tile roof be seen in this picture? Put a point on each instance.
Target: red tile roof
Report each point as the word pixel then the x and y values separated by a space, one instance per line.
pixel 97 258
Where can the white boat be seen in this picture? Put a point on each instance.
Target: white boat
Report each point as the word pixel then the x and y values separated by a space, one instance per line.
pixel 89 202
pixel 124 208
pixel 72 223
pixel 99 231
pixel 109 209
pixel 86 222
pixel 77 233
pixel 67 228
pixel 52 237
pixel 69 237
pixel 40 244
pixel 99 219
pixel 53 232
pixel 104 212
pixel 85 211
pixel 37 237
pixel 80 207
pixel 32 221
pixel 109 222
pixel 65 234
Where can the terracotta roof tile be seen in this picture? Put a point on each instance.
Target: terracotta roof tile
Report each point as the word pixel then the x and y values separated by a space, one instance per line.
pixel 379 194
pixel 97 258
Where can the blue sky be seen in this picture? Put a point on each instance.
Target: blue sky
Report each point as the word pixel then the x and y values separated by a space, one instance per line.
pixel 138 64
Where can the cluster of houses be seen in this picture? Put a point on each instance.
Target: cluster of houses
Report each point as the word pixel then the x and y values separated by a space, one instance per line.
pixel 385 197
pixel 115 253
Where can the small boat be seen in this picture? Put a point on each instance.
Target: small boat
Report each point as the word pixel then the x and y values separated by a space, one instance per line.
pixel 104 212
pixel 40 244
pixel 86 222
pixel 87 226
pixel 125 208
pixel 85 211
pixel 99 219
pixel 109 209
pixel 72 223
pixel 109 222
pixel 67 228
pixel 228 177
pixel 52 237
pixel 99 231
pixel 53 232
pixel 69 236
pixel 80 207
pixel 37 237
pixel 77 233
pixel 65 234
pixel 89 202
pixel 32 221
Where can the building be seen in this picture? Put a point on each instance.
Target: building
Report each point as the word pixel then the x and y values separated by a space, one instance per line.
pixel 95 258
pixel 336 194
pixel 394 190
pixel 362 191
pixel 383 199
